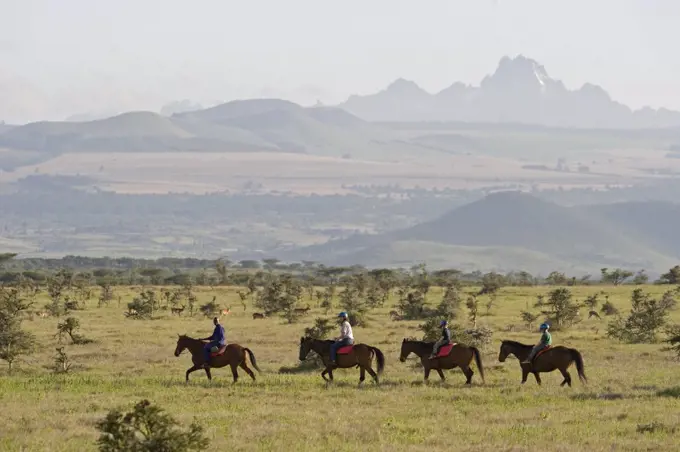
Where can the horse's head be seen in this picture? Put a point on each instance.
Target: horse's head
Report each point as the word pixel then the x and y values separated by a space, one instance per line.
pixel 504 352
pixel 305 347
pixel 181 344
pixel 405 350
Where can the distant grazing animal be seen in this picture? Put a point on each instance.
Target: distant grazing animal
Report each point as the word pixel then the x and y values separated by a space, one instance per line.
pixel 177 311
pixel 43 314
pixel 546 360
pixel 230 355
pixel 358 355
pixel 226 311
pixel 594 314
pixel 258 315
pixel 448 358
pixel 302 310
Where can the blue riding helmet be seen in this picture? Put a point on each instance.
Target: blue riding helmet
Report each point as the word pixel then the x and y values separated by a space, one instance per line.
pixel 343 314
pixel 544 326
pixel 443 323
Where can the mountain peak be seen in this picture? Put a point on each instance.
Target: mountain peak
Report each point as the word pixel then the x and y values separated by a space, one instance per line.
pixel 402 86
pixel 518 71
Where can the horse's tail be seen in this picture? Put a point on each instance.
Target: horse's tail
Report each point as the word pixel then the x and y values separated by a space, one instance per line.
pixel 578 359
pixel 478 361
pixel 380 358
pixel 252 358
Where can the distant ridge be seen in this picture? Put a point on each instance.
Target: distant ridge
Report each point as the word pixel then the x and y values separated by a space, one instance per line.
pixel 510 230
pixel 267 125
pixel 519 91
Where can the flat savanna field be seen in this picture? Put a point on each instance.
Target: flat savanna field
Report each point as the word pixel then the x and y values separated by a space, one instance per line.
pixel 205 172
pixel 630 386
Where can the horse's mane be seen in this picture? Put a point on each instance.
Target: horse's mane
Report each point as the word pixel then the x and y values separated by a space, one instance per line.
pixel 516 344
pixel 319 340
pixel 409 339
pixel 190 338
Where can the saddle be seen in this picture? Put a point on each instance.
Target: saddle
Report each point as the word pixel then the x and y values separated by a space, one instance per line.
pixel 346 350
pixel 543 350
pixel 445 350
pixel 218 352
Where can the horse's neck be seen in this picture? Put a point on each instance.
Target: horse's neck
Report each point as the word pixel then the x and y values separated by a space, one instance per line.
pixel 520 352
pixel 320 346
pixel 421 348
pixel 195 345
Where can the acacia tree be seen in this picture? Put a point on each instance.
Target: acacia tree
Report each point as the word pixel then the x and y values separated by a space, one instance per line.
pixel 647 316
pixel 616 276
pixel 559 307
pixel 280 294
pixel 671 277
pixel 14 341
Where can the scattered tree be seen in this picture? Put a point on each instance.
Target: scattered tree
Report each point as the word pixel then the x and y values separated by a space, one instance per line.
pixel 529 319
pixel 62 363
pixel 473 309
pixel 640 278
pixel 321 329
pixel 672 277
pixel 559 308
pixel 69 328
pixel 616 276
pixel 647 316
pixel 556 278
pixel 14 341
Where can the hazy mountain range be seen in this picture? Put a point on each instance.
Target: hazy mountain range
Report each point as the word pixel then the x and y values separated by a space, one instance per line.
pixel 240 126
pixel 514 230
pixel 519 91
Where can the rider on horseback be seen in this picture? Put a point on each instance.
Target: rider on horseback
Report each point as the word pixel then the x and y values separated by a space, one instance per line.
pixel 346 336
pixel 546 341
pixel 217 340
pixel 445 340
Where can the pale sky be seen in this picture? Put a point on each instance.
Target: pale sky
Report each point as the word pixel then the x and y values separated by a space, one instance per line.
pixel 62 57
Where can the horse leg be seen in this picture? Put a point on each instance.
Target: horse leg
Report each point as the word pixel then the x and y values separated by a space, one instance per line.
pixel 441 374
pixel 191 369
pixel 245 367
pixel 207 372
pixel 525 374
pixel 468 374
pixel 323 374
pixel 372 373
pixel 427 374
pixel 234 372
pixel 362 375
pixel 567 377
pixel 538 379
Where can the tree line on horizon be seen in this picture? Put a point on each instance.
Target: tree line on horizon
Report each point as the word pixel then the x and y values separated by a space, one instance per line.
pixel 214 272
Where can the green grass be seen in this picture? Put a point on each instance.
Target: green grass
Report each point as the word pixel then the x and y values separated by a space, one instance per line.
pixel 632 400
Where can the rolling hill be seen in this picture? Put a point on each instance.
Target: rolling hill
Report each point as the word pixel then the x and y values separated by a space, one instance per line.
pixel 513 230
pixel 238 126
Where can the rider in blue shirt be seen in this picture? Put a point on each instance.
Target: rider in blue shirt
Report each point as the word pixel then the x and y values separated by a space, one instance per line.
pixel 218 339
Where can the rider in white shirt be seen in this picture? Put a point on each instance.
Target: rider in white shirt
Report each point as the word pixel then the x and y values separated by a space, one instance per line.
pixel 346 336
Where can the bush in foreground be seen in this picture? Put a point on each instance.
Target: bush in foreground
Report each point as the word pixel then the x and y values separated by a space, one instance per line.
pixel 145 429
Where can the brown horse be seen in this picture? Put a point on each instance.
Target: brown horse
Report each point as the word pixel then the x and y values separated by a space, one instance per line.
pixel 361 356
pixel 460 356
pixel 234 355
pixel 554 358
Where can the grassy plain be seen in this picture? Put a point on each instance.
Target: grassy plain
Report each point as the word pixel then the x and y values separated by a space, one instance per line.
pixel 629 387
pixel 266 172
